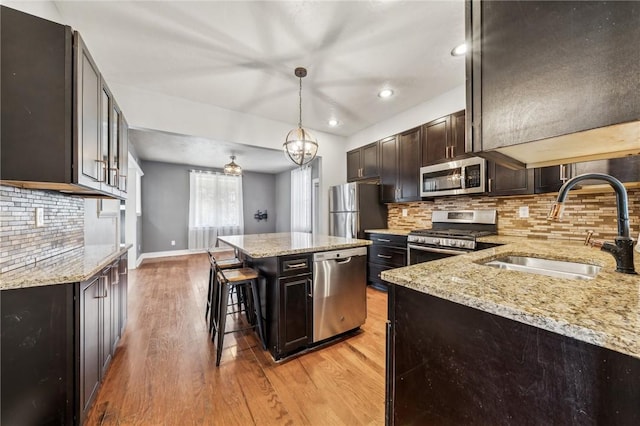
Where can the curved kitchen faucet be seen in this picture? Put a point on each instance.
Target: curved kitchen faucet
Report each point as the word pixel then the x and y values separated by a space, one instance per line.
pixel 622 250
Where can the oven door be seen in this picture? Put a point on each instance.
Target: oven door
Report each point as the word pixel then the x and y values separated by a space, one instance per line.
pixel 419 254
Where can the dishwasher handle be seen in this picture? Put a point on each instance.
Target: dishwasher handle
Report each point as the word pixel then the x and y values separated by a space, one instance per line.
pixel 347 260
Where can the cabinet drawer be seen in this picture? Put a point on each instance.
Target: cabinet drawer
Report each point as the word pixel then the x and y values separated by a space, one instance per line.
pixel 387 255
pixel 388 239
pixel 295 265
pixel 374 270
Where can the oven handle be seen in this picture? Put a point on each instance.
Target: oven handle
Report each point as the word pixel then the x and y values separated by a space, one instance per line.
pixel 431 249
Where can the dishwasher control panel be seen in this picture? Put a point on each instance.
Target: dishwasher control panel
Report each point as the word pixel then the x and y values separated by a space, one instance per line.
pixel 339 254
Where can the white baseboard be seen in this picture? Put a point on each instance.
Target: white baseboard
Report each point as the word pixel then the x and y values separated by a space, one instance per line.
pixel 171 253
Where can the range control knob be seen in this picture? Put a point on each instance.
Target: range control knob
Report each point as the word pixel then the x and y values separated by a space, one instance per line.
pixel 436 241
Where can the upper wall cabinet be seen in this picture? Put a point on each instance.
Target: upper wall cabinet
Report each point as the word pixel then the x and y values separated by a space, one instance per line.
pixel 400 167
pixel 362 163
pixel 553 82
pixel 443 139
pixel 61 127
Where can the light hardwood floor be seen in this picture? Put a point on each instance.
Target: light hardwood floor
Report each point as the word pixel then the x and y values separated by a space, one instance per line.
pixel 164 372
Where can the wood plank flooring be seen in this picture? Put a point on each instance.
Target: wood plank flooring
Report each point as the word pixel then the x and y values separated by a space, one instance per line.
pixel 164 372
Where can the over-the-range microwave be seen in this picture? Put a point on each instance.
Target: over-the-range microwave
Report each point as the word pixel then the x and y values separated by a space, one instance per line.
pixel 466 176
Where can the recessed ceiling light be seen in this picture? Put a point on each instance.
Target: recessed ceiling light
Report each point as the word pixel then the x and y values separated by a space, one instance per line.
pixel 385 93
pixel 333 122
pixel 459 50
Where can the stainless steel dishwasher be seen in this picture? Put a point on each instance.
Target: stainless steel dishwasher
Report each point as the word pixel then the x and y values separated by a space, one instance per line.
pixel 339 291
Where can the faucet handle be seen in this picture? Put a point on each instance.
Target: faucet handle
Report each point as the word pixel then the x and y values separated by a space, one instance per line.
pixel 588 241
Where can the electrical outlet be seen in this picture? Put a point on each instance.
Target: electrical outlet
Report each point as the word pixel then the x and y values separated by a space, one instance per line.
pixel 39 217
pixel 405 212
pixel 173 242
pixel 523 211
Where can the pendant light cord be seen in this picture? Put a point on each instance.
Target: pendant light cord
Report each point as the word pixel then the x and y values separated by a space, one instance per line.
pixel 300 103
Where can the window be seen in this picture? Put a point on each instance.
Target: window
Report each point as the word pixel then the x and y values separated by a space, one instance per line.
pixel 215 207
pixel 301 200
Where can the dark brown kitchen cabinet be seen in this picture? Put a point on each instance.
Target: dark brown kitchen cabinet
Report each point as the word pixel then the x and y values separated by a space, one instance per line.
pixel 551 178
pixel 443 139
pixel 53 346
pixel 285 291
pixel 625 169
pixel 53 113
pixel 362 163
pixel 400 167
pixel 452 364
pixel 387 252
pixel 541 69
pixel 504 181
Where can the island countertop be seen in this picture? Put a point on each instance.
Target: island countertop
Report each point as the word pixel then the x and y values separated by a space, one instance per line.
pixel 604 311
pixel 284 243
pixel 75 265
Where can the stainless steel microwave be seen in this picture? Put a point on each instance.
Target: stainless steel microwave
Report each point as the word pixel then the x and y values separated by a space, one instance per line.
pixel 466 176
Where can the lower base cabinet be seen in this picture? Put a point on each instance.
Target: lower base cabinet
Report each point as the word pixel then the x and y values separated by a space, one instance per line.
pixel 54 344
pixel 452 364
pixel 387 252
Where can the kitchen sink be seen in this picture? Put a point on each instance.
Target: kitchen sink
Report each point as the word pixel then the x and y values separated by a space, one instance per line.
pixel 552 268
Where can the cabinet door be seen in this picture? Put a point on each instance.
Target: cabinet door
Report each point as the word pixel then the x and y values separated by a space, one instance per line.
pixel 105 133
pixel 457 141
pixel 435 146
pixel 353 165
pixel 105 322
pixel 114 295
pixel 409 150
pixel 540 69
pixel 114 145
pixel 295 313
pixel 389 170
pixel 626 169
pixel 37 355
pixel 123 157
pixel 89 121
pixel 504 181
pixel 550 179
pixel 369 162
pixel 91 293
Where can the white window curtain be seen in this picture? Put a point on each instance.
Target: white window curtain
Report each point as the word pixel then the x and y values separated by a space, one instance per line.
pixel 301 200
pixel 215 208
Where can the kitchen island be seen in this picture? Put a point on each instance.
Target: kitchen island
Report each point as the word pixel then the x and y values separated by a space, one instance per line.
pixel 471 343
pixel 300 311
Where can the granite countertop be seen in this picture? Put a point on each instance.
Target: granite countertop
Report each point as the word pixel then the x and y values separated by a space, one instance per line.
pixel 75 265
pixel 401 232
pixel 280 244
pixel 604 311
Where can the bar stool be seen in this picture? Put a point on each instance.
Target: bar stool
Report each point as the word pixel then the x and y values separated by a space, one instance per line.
pixel 245 281
pixel 214 265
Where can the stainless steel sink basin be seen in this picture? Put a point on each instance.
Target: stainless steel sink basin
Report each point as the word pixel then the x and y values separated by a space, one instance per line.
pixel 552 268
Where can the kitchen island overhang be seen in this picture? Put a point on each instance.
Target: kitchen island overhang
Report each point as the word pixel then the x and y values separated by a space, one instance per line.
pixel 312 287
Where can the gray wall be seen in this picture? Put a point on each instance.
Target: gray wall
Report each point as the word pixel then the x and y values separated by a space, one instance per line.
pixel 259 193
pixel 165 204
pixel 283 201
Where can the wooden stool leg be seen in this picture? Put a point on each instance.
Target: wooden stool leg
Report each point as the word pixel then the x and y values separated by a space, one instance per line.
pixel 222 318
pixel 258 312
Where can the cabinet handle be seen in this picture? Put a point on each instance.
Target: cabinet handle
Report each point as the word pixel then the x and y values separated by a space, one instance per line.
pixel 103 172
pixel 490 180
pixel 296 265
pixel 446 152
pixel 383 240
pixel 563 172
pixel 310 282
pixel 123 179
pixel 452 147
pixel 384 256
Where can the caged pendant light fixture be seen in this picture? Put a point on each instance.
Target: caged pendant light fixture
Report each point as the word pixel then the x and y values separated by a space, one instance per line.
pixel 300 145
pixel 232 169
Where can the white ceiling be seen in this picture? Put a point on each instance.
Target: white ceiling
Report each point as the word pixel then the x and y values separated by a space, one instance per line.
pixel 241 55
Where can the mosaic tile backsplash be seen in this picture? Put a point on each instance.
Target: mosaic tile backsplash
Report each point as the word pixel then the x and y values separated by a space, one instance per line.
pixel 583 212
pixel 21 243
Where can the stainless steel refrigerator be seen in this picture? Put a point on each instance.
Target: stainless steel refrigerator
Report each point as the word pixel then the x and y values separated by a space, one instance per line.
pixel 354 207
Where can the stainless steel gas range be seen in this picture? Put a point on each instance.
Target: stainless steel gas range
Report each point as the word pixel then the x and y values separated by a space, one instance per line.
pixel 452 233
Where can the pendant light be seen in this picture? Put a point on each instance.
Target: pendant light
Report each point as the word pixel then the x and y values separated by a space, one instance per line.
pixel 232 169
pixel 300 145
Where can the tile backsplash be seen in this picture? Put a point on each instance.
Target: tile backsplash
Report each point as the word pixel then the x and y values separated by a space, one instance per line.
pixel 583 211
pixel 21 242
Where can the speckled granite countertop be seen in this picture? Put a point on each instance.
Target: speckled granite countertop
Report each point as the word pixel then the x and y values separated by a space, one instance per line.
pixel 604 311
pixel 280 244
pixel 72 266
pixel 401 232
